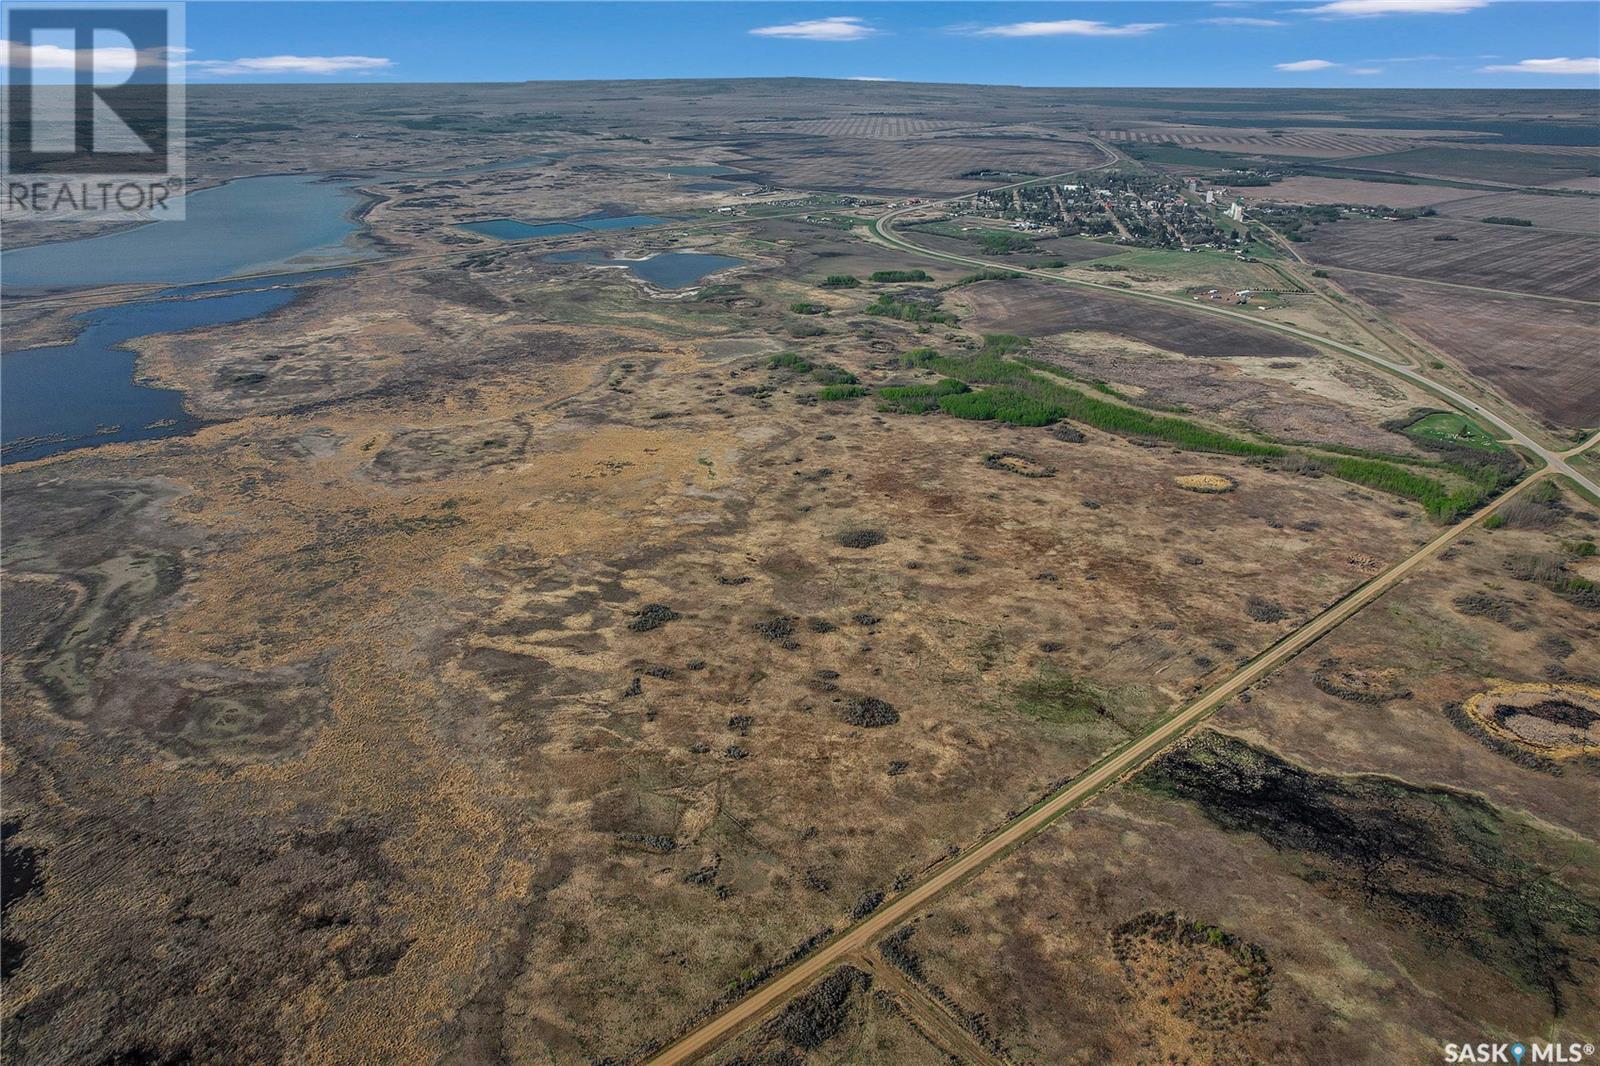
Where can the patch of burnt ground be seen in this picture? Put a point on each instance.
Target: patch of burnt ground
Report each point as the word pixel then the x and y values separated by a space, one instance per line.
pixel 652 616
pixel 1445 865
pixel 861 538
pixel 869 712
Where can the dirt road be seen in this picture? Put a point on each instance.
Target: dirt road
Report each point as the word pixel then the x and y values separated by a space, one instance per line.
pixel 1120 763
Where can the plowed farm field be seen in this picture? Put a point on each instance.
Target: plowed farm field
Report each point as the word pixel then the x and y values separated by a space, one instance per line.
pixel 1539 353
pixel 1513 258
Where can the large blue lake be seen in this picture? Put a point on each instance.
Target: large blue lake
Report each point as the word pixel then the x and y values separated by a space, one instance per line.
pixel 668 270
pixel 81 394
pixel 253 225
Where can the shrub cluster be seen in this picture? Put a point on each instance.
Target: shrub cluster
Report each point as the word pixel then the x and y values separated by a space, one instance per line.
pixel 993 275
pixel 789 361
pixel 888 306
pixel 917 399
pixel 869 712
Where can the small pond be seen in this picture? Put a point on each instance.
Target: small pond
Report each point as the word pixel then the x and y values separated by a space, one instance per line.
pixel 666 270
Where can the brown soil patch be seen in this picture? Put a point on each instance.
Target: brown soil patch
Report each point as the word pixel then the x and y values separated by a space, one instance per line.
pixel 1538 352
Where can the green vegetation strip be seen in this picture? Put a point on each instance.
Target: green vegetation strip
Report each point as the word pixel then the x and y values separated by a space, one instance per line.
pixel 1014 392
pixel 1025 398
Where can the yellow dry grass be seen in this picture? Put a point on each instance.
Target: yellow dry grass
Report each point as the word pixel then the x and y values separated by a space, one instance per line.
pixel 1507 710
pixel 1205 482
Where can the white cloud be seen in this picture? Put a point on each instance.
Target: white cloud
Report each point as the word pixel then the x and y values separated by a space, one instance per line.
pixel 109 62
pixel 835 28
pixel 292 65
pixel 1366 70
pixel 1068 28
pixel 1563 65
pixel 867 77
pixel 1304 64
pixel 1372 8
pixel 1242 20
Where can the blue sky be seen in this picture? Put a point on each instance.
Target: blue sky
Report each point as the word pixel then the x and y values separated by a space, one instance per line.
pixel 1373 43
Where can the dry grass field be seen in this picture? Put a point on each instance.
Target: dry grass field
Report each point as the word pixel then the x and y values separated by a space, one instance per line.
pixel 501 687
pixel 1036 308
pixel 525 661
pixel 1339 854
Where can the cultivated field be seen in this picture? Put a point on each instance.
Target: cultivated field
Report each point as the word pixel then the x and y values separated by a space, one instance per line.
pixel 1538 353
pixel 1526 167
pixel 1513 258
pixel 1313 190
pixel 1319 144
pixel 890 167
pixel 1573 214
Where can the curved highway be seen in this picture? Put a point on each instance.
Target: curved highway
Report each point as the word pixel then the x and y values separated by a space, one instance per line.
pixel 884 229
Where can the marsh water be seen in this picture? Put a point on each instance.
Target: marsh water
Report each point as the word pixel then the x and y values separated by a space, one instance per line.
pixel 278 222
pixel 667 270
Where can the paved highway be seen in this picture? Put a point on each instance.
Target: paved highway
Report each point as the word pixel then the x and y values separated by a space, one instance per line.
pixel 884 230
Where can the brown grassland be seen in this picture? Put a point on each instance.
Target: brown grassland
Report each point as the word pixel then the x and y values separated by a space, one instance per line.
pixel 526 661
